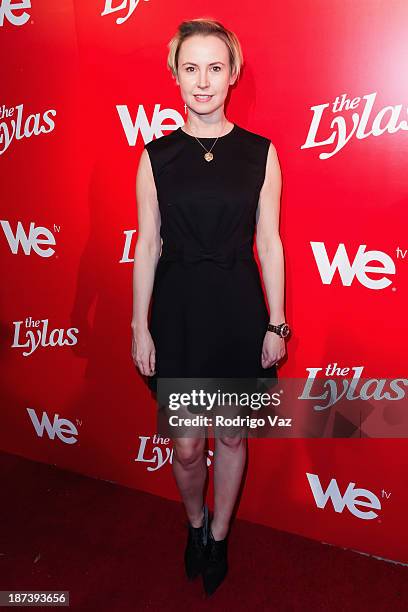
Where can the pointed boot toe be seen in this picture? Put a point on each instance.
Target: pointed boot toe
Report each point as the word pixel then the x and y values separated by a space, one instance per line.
pixel 194 554
pixel 216 566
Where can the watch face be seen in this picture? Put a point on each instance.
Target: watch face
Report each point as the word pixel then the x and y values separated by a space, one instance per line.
pixel 285 330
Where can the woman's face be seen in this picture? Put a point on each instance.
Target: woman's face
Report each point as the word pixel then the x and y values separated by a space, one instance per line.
pixel 203 68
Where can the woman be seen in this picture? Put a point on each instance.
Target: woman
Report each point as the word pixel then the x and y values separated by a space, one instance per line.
pixel 204 189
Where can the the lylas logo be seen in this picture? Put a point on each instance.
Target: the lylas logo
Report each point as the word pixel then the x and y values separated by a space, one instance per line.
pixel 336 388
pixel 7 8
pixel 64 429
pixel 130 5
pixel 35 333
pixel 128 247
pixel 126 255
pixel 358 269
pixel 38 239
pixel 389 117
pixel 352 498
pixel 19 128
pixel 160 452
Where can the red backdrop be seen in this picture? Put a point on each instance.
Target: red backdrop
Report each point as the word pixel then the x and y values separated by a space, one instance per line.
pixel 84 86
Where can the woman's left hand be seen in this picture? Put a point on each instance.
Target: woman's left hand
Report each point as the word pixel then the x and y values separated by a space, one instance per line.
pixel 273 349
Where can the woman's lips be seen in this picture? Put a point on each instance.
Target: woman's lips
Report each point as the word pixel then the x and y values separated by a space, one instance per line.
pixel 203 98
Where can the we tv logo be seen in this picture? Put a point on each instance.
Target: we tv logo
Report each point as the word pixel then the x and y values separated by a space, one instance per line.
pixel 38 239
pixel 148 128
pixel 358 268
pixel 64 429
pixel 8 8
pixel 352 498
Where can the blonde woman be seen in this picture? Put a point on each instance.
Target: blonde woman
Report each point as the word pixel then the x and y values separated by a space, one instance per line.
pixel 205 190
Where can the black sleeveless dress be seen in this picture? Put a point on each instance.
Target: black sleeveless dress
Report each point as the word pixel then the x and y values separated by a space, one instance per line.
pixel 208 312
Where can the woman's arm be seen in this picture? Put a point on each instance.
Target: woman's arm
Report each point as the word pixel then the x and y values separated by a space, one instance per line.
pixel 270 253
pixel 147 252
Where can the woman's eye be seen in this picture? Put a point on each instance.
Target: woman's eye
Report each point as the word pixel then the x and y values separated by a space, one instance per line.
pixel 216 68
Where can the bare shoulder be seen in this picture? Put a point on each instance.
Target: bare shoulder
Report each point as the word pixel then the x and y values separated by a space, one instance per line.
pixel 146 191
pixel 272 149
pixel 269 197
pixel 144 159
pixel 273 174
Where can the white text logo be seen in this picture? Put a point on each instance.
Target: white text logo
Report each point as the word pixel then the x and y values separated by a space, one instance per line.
pixel 160 452
pixel 6 11
pixel 147 128
pixel 15 128
pixel 126 258
pixel 389 115
pixel 36 333
pixel 130 5
pixel 338 388
pixel 63 428
pixel 37 236
pixel 359 268
pixel 349 499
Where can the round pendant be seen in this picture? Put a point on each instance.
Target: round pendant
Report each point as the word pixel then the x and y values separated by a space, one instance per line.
pixel 208 156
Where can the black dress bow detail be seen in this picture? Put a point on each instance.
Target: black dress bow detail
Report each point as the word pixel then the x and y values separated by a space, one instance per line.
pixel 224 259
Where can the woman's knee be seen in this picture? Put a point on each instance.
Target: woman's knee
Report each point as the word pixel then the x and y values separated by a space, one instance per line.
pixel 232 442
pixel 188 452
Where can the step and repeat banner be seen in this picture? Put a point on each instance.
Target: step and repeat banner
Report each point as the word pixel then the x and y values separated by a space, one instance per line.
pixel 84 86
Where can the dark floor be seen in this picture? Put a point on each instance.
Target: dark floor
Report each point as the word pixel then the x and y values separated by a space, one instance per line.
pixel 118 549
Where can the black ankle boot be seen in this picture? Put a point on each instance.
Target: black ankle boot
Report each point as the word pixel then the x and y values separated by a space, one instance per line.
pixel 216 566
pixel 194 555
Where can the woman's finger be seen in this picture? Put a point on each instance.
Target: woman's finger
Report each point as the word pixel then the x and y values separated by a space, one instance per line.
pixel 152 362
pixel 141 366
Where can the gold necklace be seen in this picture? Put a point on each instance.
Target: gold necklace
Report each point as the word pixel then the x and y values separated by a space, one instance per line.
pixel 208 155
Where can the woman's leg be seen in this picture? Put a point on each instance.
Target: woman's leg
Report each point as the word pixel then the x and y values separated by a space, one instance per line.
pixel 190 471
pixel 229 463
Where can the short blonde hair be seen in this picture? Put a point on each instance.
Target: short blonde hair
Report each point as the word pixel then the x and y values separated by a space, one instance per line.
pixel 205 27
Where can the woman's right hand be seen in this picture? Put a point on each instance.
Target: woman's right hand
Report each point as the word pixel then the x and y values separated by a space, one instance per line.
pixel 144 352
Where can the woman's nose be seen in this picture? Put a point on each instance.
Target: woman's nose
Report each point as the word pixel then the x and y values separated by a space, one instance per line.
pixel 203 80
